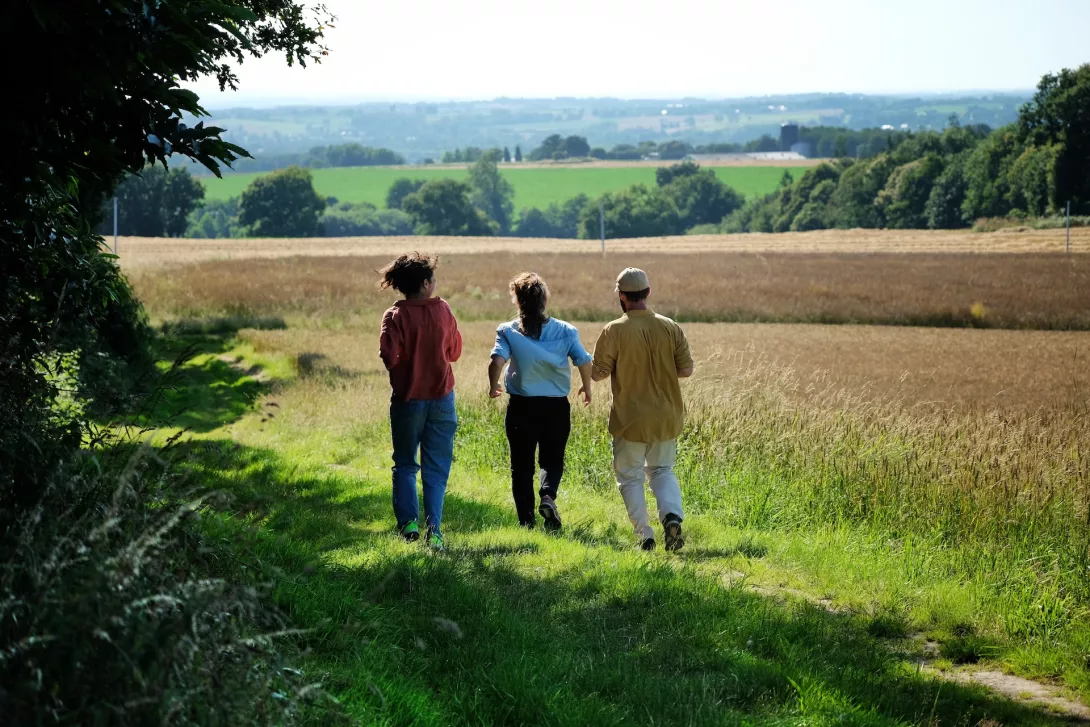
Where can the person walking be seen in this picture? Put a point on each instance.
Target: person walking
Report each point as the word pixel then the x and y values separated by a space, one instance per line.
pixel 418 342
pixel 536 349
pixel 644 355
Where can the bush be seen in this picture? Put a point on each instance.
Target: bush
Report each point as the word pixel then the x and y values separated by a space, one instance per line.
pixel 364 220
pixel 103 620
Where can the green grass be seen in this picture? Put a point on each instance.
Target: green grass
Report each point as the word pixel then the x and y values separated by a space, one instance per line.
pixel 534 187
pixel 767 618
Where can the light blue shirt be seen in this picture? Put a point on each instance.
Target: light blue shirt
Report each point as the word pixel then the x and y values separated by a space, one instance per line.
pixel 539 366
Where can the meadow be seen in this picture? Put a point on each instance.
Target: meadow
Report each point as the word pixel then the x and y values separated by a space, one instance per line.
pixel 535 185
pixel 882 520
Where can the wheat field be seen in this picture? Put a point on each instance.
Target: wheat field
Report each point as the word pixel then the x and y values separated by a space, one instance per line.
pixel 1006 290
pixel 139 252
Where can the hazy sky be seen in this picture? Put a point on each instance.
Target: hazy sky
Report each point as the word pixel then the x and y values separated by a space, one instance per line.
pixel 481 49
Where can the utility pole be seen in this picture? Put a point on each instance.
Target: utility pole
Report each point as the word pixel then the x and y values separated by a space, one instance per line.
pixel 1068 227
pixel 115 225
pixel 602 226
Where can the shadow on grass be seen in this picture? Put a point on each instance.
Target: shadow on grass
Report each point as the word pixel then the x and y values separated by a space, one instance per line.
pixel 494 632
pixel 200 390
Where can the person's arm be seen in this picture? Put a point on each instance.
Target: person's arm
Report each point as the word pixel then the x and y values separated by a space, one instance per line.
pixel 389 341
pixel 501 353
pixel 683 357
pixel 584 362
pixel 454 346
pixel 495 368
pixel 605 357
pixel 586 372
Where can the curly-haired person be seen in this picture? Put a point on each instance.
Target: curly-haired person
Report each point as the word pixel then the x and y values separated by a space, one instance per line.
pixel 418 343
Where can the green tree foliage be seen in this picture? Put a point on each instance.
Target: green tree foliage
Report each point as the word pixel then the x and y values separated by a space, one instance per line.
pixel 638 211
pixel 364 220
pixel 1059 117
pixel 698 195
pixel 318 157
pixel 108 102
pixel 559 220
pixel 986 184
pixel 853 203
pixel 281 204
pixel 810 217
pixel 518 153
pixel 943 208
pixel 156 202
pixel 666 175
pixel 787 202
pixel 400 189
pixel 492 193
pixel 1032 181
pixel 903 201
pixel 469 155
pixel 88 561
pixel 506 155
pixel 444 207
pixel 559 147
pixel 215 219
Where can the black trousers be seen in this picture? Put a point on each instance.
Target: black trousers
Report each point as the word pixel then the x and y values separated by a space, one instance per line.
pixel 540 423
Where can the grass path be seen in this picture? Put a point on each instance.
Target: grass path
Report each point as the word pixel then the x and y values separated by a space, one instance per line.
pixel 745 626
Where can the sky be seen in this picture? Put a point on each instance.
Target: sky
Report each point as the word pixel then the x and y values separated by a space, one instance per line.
pixel 484 49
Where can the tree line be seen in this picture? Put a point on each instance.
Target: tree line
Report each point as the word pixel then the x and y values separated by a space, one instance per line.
pixel 319 157
pixel 820 141
pixel 936 180
pixel 933 180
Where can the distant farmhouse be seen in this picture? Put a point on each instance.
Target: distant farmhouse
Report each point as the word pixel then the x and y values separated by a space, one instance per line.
pixel 791 149
pixel 758 156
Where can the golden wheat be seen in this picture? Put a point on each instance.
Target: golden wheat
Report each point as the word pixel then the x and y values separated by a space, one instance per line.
pixel 1006 290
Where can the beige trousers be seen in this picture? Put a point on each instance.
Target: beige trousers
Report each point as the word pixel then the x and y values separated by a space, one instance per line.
pixel 633 462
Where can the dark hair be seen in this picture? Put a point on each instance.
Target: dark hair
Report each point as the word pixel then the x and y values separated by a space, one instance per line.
pixel 637 295
pixel 408 273
pixel 531 294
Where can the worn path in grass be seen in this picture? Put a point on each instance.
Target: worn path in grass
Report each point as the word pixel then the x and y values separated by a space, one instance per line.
pixel 516 627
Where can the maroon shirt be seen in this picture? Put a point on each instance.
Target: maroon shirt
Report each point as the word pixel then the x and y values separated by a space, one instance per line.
pixel 418 343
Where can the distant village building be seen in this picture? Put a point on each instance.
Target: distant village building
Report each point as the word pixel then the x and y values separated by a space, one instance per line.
pixel 754 156
pixel 789 136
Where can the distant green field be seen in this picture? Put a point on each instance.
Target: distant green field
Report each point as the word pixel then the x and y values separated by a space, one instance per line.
pixel 534 187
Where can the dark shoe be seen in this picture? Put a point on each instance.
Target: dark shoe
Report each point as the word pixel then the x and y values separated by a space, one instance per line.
pixel 648 544
pixel 671 525
pixel 528 524
pixel 549 513
pixel 410 531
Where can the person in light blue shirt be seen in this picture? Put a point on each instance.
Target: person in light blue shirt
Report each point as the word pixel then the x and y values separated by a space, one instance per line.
pixel 537 350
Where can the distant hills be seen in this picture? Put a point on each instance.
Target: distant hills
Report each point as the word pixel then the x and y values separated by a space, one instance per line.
pixel 420 130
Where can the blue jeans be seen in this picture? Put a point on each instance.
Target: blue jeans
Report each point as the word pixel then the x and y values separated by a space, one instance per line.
pixel 427 425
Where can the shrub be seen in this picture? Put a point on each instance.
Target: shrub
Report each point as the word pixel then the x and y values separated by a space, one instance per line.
pixel 103 619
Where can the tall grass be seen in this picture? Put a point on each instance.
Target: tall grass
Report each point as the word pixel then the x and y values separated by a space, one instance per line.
pixel 1004 499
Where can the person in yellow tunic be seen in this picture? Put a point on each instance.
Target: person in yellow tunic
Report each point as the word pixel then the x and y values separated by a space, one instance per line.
pixel 644 355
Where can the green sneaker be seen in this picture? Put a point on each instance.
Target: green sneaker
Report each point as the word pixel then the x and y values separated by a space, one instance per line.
pixel 435 541
pixel 410 531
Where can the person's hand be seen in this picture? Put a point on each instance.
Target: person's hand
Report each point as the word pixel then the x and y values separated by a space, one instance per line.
pixel 585 393
pixel 495 392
